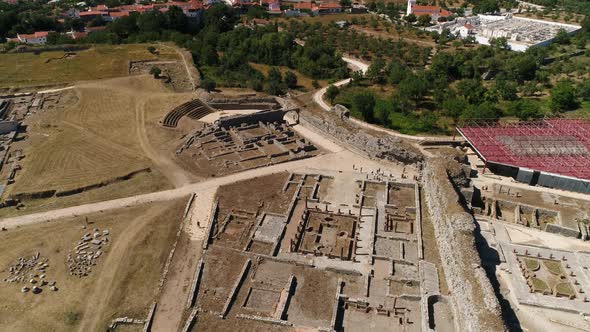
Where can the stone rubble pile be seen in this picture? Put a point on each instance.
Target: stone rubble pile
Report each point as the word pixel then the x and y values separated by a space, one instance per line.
pixel 32 272
pixel 87 251
pixel 386 147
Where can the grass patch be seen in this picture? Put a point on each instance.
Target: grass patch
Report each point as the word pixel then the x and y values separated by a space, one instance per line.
pixel 539 285
pixel 72 317
pixel 532 264
pixel 565 289
pixel 98 62
pixel 554 267
pixel 94 139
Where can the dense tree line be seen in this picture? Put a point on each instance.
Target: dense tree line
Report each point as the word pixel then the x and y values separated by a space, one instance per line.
pixel 26 17
pixel 358 44
pixel 574 6
pixel 220 50
pixel 453 89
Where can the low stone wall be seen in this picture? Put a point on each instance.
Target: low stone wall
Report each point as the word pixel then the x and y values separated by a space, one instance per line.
pixel 78 190
pixel 147 327
pixel 234 292
pixel 190 322
pixel 473 302
pixel 563 231
pixel 195 285
pixel 193 72
pixel 263 103
pixel 263 116
pixel 173 250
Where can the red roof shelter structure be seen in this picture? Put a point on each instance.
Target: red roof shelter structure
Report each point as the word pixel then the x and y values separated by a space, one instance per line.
pixel 557 147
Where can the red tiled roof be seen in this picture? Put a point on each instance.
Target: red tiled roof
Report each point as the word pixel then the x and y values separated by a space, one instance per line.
pixel 92 13
pixel 330 5
pixel 37 34
pixel 419 10
pixel 99 8
pixel 303 5
pixel 119 14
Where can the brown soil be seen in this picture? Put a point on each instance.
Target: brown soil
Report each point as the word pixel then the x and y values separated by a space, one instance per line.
pixel 121 284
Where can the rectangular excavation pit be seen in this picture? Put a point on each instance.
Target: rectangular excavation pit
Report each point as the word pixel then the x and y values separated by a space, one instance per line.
pixel 329 234
pixel 402 195
pixel 397 222
pixel 262 300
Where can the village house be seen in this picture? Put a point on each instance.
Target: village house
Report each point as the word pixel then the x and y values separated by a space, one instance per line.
pixel 36 38
pixel 435 12
pixel 306 6
pixel 330 7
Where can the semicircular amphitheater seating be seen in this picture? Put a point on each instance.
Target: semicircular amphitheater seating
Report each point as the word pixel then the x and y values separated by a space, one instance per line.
pixel 194 109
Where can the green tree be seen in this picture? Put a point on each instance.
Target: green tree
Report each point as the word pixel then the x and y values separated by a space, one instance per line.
pixel 332 92
pixel 507 90
pixel 524 109
pixel 455 106
pixel 584 89
pixel 413 87
pixel 273 88
pixel 500 43
pixel 472 90
pixel 356 77
pixel 381 112
pixel 176 19
pixel 208 85
pixel 424 20
pixel 152 21
pixel 291 80
pixel 275 75
pixel 486 6
pixel 155 71
pixel 562 37
pixel 256 12
pixel 483 111
pixel 362 105
pixel 396 72
pixel 375 72
pixel 410 18
pixel 563 97
pixel 73 24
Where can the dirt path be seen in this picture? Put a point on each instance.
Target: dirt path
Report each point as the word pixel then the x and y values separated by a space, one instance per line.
pixel 187 67
pixel 57 90
pixel 172 301
pixel 318 98
pixel 174 173
pixel 98 296
pixel 342 160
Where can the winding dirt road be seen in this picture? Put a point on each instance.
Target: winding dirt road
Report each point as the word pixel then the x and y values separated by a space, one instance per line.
pixel 318 98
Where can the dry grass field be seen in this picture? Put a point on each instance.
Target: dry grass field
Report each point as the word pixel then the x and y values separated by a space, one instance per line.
pixel 98 62
pixel 123 283
pixel 100 136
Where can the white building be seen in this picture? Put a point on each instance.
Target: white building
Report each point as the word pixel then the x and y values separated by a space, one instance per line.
pixel 520 33
pixel 37 38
